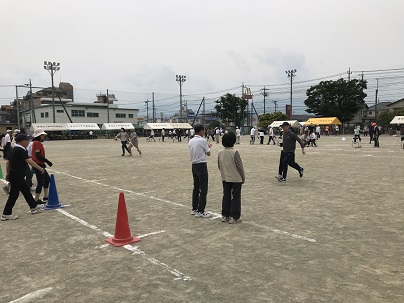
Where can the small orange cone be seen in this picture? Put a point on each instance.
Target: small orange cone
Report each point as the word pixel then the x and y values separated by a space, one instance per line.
pixel 122 234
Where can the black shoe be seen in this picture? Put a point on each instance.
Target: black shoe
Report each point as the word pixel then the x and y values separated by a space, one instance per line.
pixel 123 155
pixel 39 201
pixel 45 198
pixel 301 172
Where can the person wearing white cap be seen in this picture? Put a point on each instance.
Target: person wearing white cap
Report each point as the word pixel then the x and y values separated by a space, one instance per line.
pixel 7 144
pixel 38 155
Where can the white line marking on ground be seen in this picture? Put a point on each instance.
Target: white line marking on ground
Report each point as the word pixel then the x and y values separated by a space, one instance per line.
pixel 215 215
pixel 150 234
pixel 33 295
pixel 134 249
pixel 102 246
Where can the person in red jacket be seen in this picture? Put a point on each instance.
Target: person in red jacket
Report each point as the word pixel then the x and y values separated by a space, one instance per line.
pixel 38 155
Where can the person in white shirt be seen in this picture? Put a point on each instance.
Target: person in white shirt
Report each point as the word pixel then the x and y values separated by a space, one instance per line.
pixel 217 134
pixel 238 135
pixel 271 135
pixel 163 134
pixel 7 145
pixel 261 135
pixel 191 133
pixel 151 137
pixel 318 131
pixel 252 135
pixel 199 149
pixel 313 138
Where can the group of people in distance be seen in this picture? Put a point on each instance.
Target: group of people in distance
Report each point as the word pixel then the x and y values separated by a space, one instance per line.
pixel 232 170
pixel 130 139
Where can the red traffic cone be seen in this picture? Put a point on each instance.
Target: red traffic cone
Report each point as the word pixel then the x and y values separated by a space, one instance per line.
pixel 122 234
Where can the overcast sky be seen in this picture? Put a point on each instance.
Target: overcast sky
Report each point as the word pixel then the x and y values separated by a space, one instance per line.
pixel 138 47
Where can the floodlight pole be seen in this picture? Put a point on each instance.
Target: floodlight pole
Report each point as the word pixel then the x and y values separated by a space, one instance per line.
pixel 52 67
pixel 181 79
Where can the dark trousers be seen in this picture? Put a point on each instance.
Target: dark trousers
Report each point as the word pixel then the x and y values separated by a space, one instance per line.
pixel 271 138
pixel 376 139
pixel 124 146
pixel 261 139
pixel 200 174
pixel 28 176
pixel 231 202
pixel 41 179
pixel 287 159
pixel 6 150
pixel 162 138
pixel 357 137
pixel 18 185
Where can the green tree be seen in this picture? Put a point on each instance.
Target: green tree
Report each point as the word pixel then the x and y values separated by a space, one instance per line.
pixel 341 99
pixel 230 108
pixel 265 119
pixel 384 118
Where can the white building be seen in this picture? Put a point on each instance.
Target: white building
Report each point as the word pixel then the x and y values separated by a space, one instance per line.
pixel 80 113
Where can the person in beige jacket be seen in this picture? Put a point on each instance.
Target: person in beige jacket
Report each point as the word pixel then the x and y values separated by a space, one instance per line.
pixel 232 173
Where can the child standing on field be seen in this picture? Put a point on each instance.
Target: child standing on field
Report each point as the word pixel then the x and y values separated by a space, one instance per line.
pixel 232 173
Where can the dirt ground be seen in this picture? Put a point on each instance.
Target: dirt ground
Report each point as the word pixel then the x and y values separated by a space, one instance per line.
pixel 335 235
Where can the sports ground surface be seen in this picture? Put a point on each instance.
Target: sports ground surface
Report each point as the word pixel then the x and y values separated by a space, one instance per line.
pixel 335 235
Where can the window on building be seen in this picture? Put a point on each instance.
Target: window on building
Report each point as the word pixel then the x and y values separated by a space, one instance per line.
pixel 45 115
pixel 59 110
pixel 78 113
pixel 117 115
pixel 92 115
pixel 130 115
pixel 370 113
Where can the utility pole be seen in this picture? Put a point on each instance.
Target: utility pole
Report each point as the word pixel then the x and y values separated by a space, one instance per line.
pixel 203 112
pixel 291 75
pixel 361 76
pixel 276 104
pixel 180 79
pixel 349 74
pixel 154 109
pixel 31 101
pixel 147 110
pixel 265 94
pixel 377 91
pixel 107 107
pixel 18 107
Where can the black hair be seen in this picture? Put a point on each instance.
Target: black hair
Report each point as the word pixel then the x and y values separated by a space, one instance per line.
pixel 123 128
pixel 198 128
pixel 229 139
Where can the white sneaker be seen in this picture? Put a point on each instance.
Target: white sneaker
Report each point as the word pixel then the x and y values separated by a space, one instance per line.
pixel 193 212
pixel 233 221
pixel 8 217
pixel 202 215
pixel 6 189
pixel 225 219
pixel 36 209
pixel 279 177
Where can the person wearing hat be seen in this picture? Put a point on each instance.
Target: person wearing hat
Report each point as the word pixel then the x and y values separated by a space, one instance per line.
pixel 38 155
pixel 7 144
pixel 289 139
pixel 16 168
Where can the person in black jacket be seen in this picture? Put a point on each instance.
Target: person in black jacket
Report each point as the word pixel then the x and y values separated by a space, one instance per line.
pixel 376 134
pixel 289 139
pixel 16 168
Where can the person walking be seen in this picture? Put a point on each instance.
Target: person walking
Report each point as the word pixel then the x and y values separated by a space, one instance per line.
pixel 376 134
pixel 252 135
pixel 238 135
pixel 261 135
pixel 318 131
pixel 232 174
pixel 163 134
pixel 357 134
pixel 199 149
pixel 287 158
pixel 123 136
pixel 39 157
pixel 16 168
pixel 217 134
pixel 371 130
pixel 7 144
pixel 365 131
pixel 133 142
pixel 271 135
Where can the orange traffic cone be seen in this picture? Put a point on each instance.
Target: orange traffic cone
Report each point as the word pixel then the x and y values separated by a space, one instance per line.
pixel 122 234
